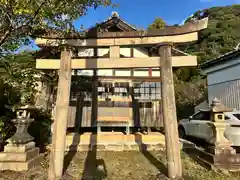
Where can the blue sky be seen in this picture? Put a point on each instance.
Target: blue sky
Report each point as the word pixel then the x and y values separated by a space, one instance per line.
pixel 142 12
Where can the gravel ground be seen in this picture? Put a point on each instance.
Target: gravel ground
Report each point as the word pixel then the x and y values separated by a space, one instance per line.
pixel 117 166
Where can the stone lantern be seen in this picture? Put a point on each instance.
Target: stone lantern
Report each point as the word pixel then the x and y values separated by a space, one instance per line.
pixel 219 153
pixel 22 123
pixel 20 153
pixel 219 125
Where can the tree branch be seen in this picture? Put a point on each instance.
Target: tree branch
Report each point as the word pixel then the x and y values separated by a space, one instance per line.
pixel 36 13
pixel 8 32
pixel 4 37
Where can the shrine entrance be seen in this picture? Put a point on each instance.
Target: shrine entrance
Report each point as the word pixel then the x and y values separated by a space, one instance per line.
pixel 120 103
pixel 113 43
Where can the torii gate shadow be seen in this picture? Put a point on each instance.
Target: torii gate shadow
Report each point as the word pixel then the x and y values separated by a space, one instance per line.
pixel 158 164
pixel 73 148
pixel 94 168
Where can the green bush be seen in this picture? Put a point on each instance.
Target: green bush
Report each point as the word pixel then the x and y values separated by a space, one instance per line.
pixel 7 129
pixel 188 95
pixel 8 97
pixel 18 87
pixel 40 128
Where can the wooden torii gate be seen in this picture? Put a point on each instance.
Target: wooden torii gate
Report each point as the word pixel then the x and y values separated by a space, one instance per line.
pixel 163 39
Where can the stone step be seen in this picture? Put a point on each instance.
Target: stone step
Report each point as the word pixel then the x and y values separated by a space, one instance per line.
pixel 116 147
pixel 115 141
pixel 204 163
pixel 115 138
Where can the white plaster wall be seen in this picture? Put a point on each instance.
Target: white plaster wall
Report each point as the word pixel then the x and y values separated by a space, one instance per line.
pixel 138 52
pixel 105 72
pixel 125 51
pixel 156 73
pixel 109 72
pixel 123 73
pixel 90 52
pixel 85 72
pixel 140 73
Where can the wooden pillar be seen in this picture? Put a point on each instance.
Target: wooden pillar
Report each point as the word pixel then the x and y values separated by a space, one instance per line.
pixel 114 52
pixel 60 124
pixel 169 112
pixel 94 114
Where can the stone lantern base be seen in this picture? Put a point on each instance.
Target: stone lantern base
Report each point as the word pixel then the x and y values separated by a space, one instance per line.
pixel 20 157
pixel 225 160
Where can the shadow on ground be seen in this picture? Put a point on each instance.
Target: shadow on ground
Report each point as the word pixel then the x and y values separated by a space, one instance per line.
pixel 72 151
pixel 94 168
pixel 158 164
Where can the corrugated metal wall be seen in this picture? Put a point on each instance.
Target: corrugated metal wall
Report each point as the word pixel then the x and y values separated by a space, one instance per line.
pixel 225 85
pixel 224 75
pixel 227 92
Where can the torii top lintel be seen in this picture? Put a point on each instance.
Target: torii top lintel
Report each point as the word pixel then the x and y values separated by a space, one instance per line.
pixel 181 34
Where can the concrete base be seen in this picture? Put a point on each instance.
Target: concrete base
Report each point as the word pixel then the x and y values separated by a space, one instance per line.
pixel 19 148
pixel 19 157
pixel 115 141
pixel 21 166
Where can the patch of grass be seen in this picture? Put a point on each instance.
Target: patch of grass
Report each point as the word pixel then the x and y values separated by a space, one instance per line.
pixel 193 171
pixel 129 165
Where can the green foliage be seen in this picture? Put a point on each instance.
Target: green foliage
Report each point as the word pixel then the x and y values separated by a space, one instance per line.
pixel 188 95
pixel 21 76
pixel 7 129
pixel 222 34
pixel 158 23
pixel 40 128
pixel 21 18
pixel 18 87
pixel 8 96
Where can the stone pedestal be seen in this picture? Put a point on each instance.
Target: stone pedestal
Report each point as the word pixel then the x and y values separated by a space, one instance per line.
pixel 219 143
pixel 20 157
pixel 21 153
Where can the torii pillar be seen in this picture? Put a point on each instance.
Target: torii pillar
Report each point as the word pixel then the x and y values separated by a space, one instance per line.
pixel 169 112
pixel 60 123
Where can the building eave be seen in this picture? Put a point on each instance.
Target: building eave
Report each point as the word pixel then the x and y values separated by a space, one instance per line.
pixel 115 18
pixel 220 60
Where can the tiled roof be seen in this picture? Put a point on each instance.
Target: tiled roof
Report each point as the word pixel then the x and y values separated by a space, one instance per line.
pixel 115 16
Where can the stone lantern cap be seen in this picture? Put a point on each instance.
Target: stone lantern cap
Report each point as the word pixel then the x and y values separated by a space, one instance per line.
pixel 24 111
pixel 27 107
pixel 218 106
